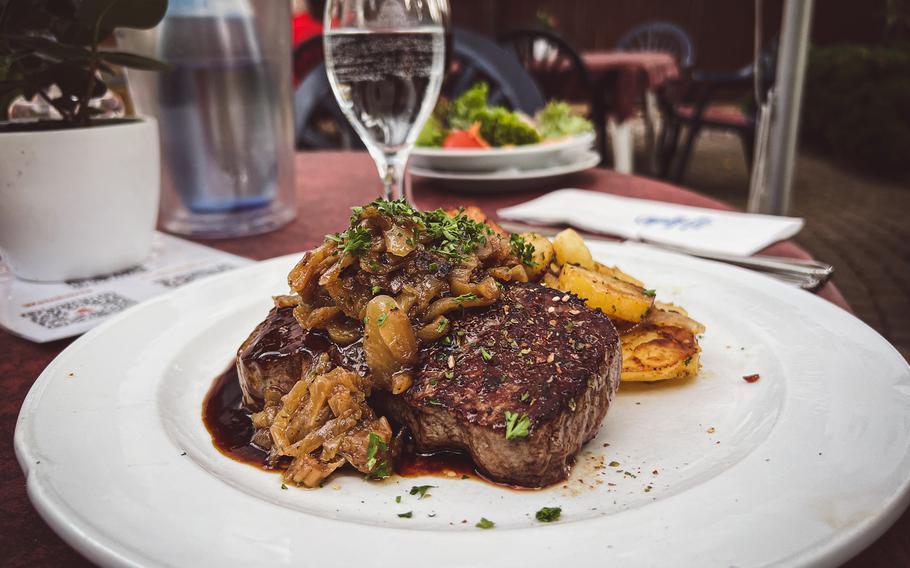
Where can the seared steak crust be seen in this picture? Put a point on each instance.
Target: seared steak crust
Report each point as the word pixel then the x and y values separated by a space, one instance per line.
pixel 538 353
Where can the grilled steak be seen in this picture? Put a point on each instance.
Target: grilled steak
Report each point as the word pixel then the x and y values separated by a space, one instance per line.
pixel 539 355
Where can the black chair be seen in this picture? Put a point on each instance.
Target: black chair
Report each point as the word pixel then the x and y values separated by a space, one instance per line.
pixel 477 58
pixel 665 37
pixel 553 62
pixel 660 36
pixel 697 108
pixel 320 124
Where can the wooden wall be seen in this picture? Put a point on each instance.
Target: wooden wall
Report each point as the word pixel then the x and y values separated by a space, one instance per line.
pixel 722 30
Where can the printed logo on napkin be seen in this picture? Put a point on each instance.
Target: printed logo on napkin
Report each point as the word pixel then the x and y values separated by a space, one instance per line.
pixel 45 312
pixel 692 228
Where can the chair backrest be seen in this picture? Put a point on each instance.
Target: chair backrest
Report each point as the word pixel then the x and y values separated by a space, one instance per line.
pixel 477 58
pixel 553 62
pixel 320 124
pixel 660 36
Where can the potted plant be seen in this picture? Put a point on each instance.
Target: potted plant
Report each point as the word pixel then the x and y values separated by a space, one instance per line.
pixel 78 194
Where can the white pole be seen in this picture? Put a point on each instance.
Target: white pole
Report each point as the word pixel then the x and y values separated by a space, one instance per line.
pixel 774 195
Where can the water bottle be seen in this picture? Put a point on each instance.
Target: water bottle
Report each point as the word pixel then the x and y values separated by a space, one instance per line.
pixel 225 116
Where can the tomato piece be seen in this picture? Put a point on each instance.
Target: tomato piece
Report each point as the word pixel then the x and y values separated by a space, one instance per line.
pixel 469 138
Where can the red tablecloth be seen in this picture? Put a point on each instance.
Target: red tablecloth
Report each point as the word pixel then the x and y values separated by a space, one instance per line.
pixel 628 74
pixel 328 184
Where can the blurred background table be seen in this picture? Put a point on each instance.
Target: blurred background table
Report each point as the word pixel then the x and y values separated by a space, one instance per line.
pixel 328 184
pixel 623 81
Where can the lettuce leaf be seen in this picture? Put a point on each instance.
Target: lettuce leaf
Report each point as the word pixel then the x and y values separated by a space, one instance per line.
pixel 557 119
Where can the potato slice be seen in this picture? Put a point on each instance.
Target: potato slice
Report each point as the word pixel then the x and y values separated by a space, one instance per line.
pixel 571 249
pixel 618 299
pixel 543 254
pixel 659 353
pixel 618 274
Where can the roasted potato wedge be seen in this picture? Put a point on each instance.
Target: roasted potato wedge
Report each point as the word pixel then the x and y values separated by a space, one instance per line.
pixel 543 254
pixel 550 280
pixel 659 353
pixel 618 274
pixel 617 298
pixel 571 249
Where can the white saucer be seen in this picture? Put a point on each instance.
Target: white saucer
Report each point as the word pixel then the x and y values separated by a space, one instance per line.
pixel 512 179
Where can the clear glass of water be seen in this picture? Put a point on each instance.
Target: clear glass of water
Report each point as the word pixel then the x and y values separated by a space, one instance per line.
pixel 385 62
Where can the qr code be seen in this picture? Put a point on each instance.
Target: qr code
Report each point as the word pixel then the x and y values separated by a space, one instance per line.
pixel 79 310
pixel 85 282
pixel 187 277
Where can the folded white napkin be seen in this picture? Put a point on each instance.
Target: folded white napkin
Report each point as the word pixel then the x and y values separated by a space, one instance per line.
pixel 693 228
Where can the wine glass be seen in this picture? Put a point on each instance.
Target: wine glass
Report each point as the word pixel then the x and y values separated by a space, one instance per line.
pixel 385 62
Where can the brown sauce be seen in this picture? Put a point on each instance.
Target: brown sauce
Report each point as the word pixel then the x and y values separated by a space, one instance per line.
pixel 227 421
pixel 231 430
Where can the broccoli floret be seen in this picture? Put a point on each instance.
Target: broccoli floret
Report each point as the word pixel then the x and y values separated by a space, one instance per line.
pixel 557 119
pixel 501 127
pixel 464 110
pixel 432 134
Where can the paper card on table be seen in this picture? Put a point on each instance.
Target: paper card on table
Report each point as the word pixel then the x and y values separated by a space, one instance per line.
pixel 693 228
pixel 44 312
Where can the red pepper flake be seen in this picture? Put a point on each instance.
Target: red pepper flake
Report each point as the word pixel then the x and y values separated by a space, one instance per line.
pixel 751 378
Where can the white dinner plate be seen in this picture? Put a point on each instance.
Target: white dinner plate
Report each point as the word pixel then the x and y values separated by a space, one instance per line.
pixel 804 467
pixel 491 159
pixel 511 179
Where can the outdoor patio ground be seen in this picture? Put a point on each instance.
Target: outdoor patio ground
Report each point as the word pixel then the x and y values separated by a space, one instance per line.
pixel 854 222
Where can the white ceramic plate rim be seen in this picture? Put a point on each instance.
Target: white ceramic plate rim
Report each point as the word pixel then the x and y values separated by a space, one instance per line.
pixel 582 542
pixel 583 161
pixel 541 147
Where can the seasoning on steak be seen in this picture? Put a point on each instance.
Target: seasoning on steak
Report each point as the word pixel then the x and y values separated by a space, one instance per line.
pixel 539 354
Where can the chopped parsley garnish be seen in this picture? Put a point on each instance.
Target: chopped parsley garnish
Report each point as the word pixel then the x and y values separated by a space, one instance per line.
pixel 375 290
pixel 443 322
pixel 651 293
pixel 407 515
pixel 398 498
pixel 525 396
pixel 433 267
pixel 446 340
pixel 355 241
pixel 466 297
pixel 485 523
pixel 548 514
pixel 487 356
pixel 378 469
pixel 613 464
pixel 434 401
pixel 522 249
pixel 687 361
pixel 452 236
pixel 525 351
pixel 449 374
pixel 517 426
pixel 381 320
pixel 421 490
pixel 283 486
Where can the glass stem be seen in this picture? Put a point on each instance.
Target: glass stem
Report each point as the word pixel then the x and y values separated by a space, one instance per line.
pixel 393 176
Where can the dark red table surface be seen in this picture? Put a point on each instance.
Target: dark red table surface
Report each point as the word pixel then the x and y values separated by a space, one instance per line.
pixel 628 74
pixel 328 184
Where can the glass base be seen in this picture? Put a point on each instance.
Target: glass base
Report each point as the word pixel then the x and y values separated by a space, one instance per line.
pixel 230 224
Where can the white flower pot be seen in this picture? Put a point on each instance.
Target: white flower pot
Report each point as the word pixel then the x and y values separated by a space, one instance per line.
pixel 78 202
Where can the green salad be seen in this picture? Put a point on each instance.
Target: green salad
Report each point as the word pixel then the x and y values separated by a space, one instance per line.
pixel 470 122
